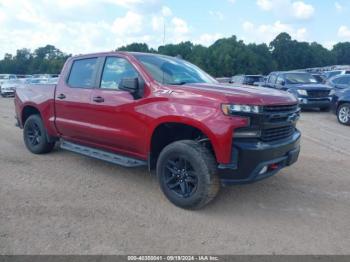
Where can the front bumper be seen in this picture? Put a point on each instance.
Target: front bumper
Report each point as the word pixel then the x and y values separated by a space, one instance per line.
pixel 305 102
pixel 250 159
pixel 334 105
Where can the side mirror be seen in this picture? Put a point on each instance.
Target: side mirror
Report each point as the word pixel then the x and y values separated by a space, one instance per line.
pixel 130 85
pixel 283 83
pixel 134 86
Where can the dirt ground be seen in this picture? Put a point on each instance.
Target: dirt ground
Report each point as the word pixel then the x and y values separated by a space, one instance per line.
pixel 63 203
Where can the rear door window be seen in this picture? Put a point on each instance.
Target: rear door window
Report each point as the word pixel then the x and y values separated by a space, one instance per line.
pixel 82 73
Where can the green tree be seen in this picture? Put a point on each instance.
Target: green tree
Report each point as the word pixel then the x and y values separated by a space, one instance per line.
pixel 341 51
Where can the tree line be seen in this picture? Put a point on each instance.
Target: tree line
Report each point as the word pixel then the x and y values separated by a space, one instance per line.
pixel 226 57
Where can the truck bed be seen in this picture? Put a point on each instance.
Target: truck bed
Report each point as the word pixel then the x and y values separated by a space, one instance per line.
pixel 39 96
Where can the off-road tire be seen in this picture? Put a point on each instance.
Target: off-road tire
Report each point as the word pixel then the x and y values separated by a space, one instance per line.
pixel 35 136
pixel 202 163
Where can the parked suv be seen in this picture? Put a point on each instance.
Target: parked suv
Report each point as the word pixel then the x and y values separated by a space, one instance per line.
pixel 330 74
pixel 339 81
pixel 304 86
pixel 247 79
pixel 341 105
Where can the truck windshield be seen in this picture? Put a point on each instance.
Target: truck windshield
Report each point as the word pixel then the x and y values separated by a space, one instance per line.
pixel 173 71
pixel 299 78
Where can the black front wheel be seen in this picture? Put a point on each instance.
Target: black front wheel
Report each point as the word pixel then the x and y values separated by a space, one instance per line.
pixel 187 174
pixel 35 136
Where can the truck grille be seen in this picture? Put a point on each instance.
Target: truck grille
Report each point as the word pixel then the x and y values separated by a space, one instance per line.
pixel 276 122
pixel 280 108
pixel 318 93
pixel 273 134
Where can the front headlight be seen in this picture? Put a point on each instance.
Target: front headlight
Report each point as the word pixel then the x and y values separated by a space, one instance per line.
pixel 232 109
pixel 302 92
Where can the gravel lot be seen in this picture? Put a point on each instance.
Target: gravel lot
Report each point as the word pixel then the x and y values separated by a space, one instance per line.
pixel 63 203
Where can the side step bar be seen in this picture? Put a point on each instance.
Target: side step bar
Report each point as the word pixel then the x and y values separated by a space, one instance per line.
pixel 102 155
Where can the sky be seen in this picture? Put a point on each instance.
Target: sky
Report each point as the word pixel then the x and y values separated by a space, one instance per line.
pixel 85 26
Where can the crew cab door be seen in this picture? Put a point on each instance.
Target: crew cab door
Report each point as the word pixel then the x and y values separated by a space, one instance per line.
pixel 117 114
pixel 72 99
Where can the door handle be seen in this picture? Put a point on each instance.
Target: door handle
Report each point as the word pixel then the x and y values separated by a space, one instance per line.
pixel 98 99
pixel 61 96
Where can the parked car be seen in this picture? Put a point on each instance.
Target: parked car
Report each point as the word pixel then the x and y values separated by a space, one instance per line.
pixel 39 81
pixel 164 113
pixel 262 82
pixel 247 79
pixel 339 81
pixel 330 74
pixel 5 77
pixel 321 78
pixel 341 105
pixel 224 80
pixel 44 76
pixel 23 76
pixel 304 86
pixel 8 87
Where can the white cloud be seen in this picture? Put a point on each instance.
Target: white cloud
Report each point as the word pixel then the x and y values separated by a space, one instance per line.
pixel 248 26
pixel 158 23
pixel 344 32
pixel 2 17
pixel 338 7
pixel 208 39
pixel 267 32
pixel 129 24
pixel 232 1
pixel 288 9
pixel 180 26
pixel 329 44
pixel 302 11
pixel 166 11
pixel 265 5
pixel 87 25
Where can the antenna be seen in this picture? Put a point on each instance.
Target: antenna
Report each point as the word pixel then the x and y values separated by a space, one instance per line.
pixel 164 31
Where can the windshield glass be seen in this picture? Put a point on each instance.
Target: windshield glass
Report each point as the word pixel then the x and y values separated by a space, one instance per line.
pixel 300 78
pixel 173 71
pixel 332 73
pixel 4 77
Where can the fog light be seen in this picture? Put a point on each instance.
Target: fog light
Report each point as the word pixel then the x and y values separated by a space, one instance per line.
pixel 263 170
pixel 303 100
pixel 247 133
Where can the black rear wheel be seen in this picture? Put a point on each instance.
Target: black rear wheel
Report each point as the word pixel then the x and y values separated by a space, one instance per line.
pixel 187 174
pixel 35 136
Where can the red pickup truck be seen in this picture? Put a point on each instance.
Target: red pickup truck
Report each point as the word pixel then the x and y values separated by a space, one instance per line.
pixel 136 109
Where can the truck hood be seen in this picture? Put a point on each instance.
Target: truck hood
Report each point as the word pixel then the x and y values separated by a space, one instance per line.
pixel 242 94
pixel 309 87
